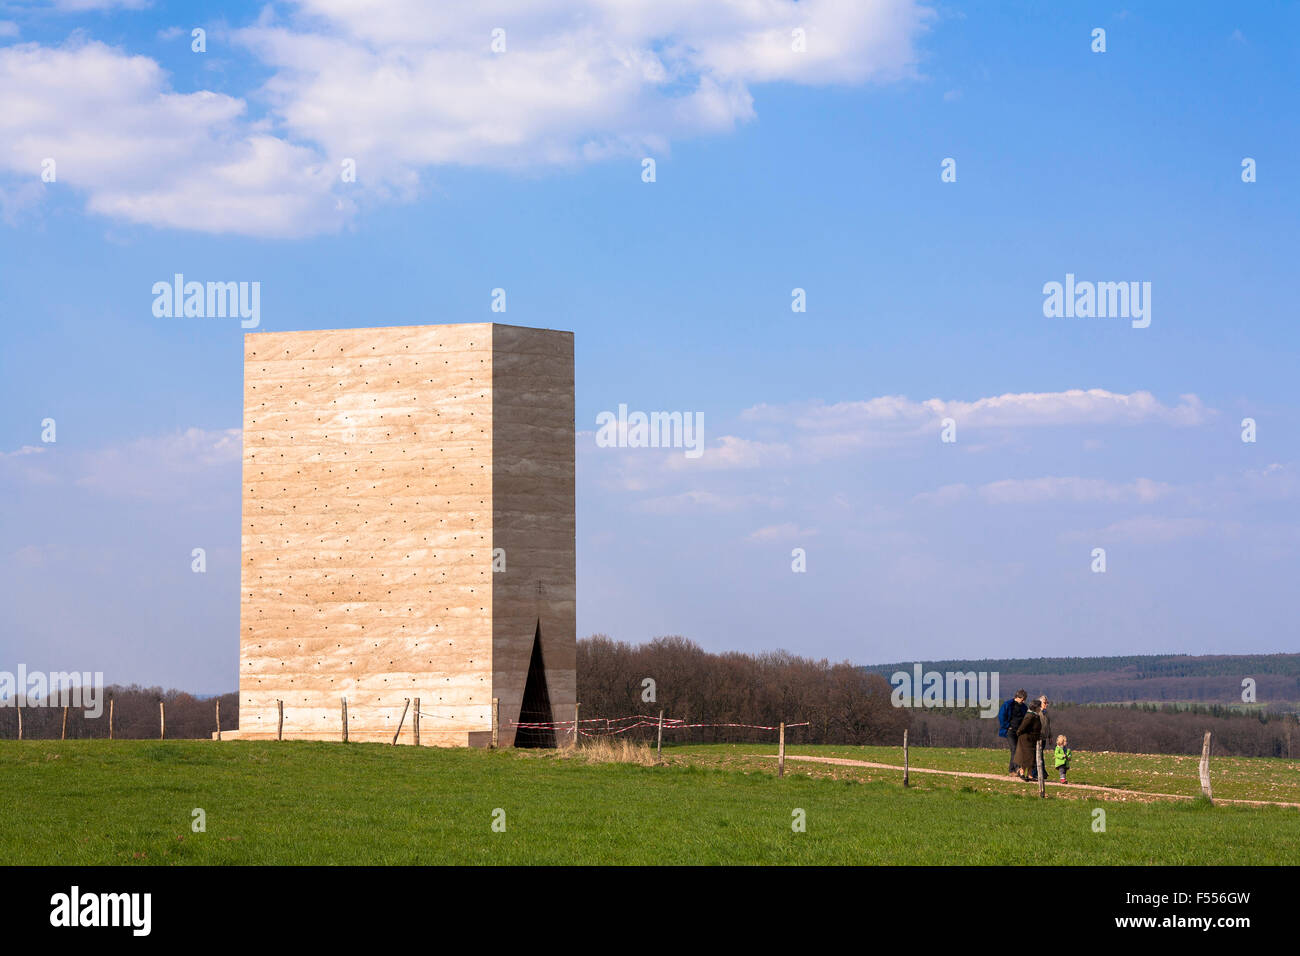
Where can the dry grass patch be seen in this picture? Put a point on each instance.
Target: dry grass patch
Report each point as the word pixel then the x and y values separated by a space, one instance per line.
pixel 616 750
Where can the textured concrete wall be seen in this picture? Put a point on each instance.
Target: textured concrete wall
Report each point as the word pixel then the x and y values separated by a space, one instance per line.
pixel 369 523
pixel 533 515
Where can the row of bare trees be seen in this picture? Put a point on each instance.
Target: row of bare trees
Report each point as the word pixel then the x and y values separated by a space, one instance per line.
pixel 135 716
pixel 841 703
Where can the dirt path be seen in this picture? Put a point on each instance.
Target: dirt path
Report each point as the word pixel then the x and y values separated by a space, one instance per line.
pixel 1006 778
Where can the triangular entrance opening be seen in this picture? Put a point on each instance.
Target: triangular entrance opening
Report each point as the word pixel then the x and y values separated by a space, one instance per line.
pixel 536 708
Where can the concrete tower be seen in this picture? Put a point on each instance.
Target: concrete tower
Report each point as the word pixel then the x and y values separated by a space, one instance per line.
pixel 408 532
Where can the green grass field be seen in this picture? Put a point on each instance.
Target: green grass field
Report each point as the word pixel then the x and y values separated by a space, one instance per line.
pixel 102 802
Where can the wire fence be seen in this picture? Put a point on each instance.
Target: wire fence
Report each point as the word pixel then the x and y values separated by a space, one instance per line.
pixel 616 726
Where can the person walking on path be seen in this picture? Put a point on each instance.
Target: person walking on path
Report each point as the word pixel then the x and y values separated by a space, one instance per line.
pixel 1027 736
pixel 1010 715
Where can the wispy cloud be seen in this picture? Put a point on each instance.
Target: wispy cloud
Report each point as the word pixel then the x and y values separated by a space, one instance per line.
pixel 153 466
pixel 708 501
pixel 184 464
pixel 1037 490
pixel 24 451
pixel 1154 529
pixel 786 531
pixel 1094 406
pixel 731 451
pixel 818 430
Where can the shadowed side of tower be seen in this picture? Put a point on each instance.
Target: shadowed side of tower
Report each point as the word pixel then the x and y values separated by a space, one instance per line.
pixel 533 519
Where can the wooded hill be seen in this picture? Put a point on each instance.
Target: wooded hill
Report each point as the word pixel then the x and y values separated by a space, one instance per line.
pixel 1212 679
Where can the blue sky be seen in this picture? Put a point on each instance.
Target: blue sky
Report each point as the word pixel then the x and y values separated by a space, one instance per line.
pixel 820 170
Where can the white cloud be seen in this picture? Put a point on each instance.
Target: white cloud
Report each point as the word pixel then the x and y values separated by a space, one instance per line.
pixel 1152 529
pixel 1094 406
pixel 1033 490
pixel 822 430
pixel 30 464
pixel 1272 482
pixel 406 86
pixel 8 28
pixel 1021 491
pixel 24 450
pixel 946 495
pixel 781 532
pixel 143 153
pixel 730 451
pixel 807 433
pixel 707 501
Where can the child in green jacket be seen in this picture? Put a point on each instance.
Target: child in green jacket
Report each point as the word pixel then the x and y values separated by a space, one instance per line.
pixel 1062 756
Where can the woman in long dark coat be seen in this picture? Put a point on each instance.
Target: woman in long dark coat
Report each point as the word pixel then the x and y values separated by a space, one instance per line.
pixel 1027 737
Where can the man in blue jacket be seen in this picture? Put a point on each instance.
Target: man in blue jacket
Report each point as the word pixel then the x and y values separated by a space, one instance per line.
pixel 1009 716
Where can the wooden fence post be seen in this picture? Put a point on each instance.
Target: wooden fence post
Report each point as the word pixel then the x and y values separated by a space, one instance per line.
pixel 1042 778
pixel 110 718
pixel 1205 768
pixel 780 751
pixel 905 781
pixel 218 718
pixel 63 734
pixel 279 727
pixel 20 720
pixel 415 722
pixel 659 745
pixel 401 721
pixel 162 721
pixel 345 720
pixel 575 725
pixel 496 722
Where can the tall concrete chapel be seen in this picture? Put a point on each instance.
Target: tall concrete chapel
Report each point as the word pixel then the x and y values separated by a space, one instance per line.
pixel 408 533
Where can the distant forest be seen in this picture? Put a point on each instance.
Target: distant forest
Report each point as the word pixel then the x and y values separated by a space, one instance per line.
pixel 842 703
pixel 1088 680
pixel 1141 667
